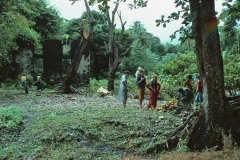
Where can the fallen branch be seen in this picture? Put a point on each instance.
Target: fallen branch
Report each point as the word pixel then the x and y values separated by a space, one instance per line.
pixel 181 126
pixel 170 142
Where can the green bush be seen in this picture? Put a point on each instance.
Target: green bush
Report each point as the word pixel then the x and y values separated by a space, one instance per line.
pixel 173 70
pixel 96 84
pixel 16 83
pixel 231 73
pixel 11 117
pixel 12 84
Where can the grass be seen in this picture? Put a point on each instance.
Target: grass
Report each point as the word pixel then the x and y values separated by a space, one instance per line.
pixel 53 127
pixel 92 128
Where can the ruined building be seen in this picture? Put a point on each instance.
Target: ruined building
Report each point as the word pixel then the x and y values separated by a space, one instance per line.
pixel 54 62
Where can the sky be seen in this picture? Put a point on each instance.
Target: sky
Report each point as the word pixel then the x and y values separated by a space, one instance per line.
pixel 147 16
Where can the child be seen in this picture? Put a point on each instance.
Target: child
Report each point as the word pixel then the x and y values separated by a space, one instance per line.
pixel 24 83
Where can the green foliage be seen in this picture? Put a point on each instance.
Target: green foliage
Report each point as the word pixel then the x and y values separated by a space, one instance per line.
pixel 96 84
pixel 182 64
pixel 139 56
pixel 47 20
pixel 16 83
pixel 230 32
pixel 231 73
pixel 173 70
pixel 139 34
pixel 14 26
pixel 26 23
pixel 181 146
pixel 11 117
pixel 170 48
pixel 157 47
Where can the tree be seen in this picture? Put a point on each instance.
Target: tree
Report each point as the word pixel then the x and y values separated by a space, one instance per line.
pixel 81 49
pixel 112 48
pixel 99 59
pixel 139 34
pixel 230 31
pixel 156 46
pixel 170 48
pixel 138 56
pixel 14 27
pixel 141 52
pixel 47 20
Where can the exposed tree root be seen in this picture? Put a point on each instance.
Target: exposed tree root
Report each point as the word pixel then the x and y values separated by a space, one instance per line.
pixel 169 144
pixel 172 139
pixel 179 128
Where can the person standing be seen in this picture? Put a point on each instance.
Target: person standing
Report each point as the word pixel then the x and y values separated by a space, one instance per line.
pixel 188 84
pixel 199 91
pixel 141 81
pixel 24 83
pixel 153 87
pixel 138 72
pixel 122 89
pixel 39 83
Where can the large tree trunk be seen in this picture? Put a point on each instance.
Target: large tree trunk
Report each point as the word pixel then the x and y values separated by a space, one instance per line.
pixel 72 70
pixel 215 120
pixel 111 77
pixel 111 74
pixel 113 66
pixel 81 49
pixel 112 49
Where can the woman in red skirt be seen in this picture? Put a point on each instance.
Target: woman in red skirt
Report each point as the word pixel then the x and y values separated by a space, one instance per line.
pixel 154 88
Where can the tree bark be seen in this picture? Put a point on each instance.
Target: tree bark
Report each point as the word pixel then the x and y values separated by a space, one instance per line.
pixel 215 120
pixel 115 57
pixel 81 49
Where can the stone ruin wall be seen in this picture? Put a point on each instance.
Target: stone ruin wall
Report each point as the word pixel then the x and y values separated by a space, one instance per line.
pixel 24 62
pixel 53 61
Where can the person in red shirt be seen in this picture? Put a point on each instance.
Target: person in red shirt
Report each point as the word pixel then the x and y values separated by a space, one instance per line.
pixel 154 89
pixel 199 91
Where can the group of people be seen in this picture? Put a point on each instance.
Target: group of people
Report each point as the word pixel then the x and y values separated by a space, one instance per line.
pixel 38 83
pixel 185 94
pixel 153 86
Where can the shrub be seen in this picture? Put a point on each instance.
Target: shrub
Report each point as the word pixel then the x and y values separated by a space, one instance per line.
pixel 11 117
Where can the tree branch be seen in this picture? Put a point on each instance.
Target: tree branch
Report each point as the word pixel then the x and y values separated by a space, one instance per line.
pixel 126 52
pixel 108 19
pixel 106 47
pixel 91 18
pixel 181 126
pixel 123 27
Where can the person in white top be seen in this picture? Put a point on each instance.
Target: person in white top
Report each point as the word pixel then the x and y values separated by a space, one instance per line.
pixel 138 72
pixel 122 89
